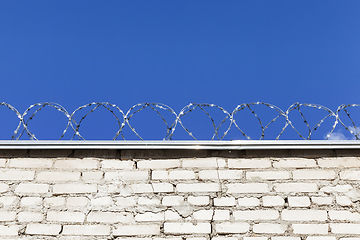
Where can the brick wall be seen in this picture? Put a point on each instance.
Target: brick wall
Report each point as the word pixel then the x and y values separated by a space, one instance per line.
pixel 232 198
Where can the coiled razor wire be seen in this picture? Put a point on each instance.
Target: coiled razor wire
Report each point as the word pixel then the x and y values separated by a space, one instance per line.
pixel 123 118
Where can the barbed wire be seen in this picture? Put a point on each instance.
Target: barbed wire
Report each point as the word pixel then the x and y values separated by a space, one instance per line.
pixel 123 118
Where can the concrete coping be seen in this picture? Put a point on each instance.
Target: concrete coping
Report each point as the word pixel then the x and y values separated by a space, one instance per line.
pixel 176 145
pixel 179 149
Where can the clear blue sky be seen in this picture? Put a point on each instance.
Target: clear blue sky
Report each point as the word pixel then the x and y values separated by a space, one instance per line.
pixel 177 52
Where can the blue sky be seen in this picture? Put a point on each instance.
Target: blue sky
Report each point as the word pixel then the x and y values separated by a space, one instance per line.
pixel 175 52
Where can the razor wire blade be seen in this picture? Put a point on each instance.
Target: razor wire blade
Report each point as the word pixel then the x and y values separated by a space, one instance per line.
pixel 123 118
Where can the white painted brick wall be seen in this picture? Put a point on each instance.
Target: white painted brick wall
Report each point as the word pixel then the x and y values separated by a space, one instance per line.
pixel 76 164
pixel 256 215
pixel 232 227
pixel 86 230
pixel 136 230
pixel 273 201
pixel 65 216
pixel 268 198
pixel 12 230
pixel 304 215
pixel 310 229
pixel 269 228
pixel 43 229
pixel 110 217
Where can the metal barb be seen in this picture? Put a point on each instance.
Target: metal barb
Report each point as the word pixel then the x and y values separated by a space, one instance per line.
pixel 124 118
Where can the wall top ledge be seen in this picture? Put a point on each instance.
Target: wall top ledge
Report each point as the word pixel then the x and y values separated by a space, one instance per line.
pixel 178 145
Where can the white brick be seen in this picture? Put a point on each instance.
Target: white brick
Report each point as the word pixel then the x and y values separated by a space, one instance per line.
pixel 204 163
pixel 229 238
pixel 148 201
pixel 304 215
pixel 172 238
pixel 314 174
pixel 181 174
pixel 221 174
pixel 159 164
pixel 86 230
pixel 344 216
pixel 249 163
pixel 350 175
pixel 295 163
pixel 117 164
pixel 171 215
pixel 173 175
pixel 141 238
pixel 127 175
pixel 322 200
pixel 110 217
pixel 339 162
pixel 121 189
pixel 172 200
pixel 343 201
pixel 163 187
pixel 231 227
pixel 186 228
pixel 30 217
pixel 199 200
pixel 6 216
pixel 195 238
pixel 2 162
pixel 4 187
pixel 310 228
pixel 349 238
pixel 345 228
pixel 269 228
pixel 321 238
pixel 58 176
pixel 221 215
pixel 54 201
pixel 247 188
pixel 160 175
pixel 203 214
pixel 30 163
pixel 198 187
pixel 43 229
pixel 337 188
pixel 76 164
pixel 125 201
pixel 255 238
pixel 285 238
pixel 12 230
pixel 248 202
pixel 8 201
pixel 295 187
pixel 32 188
pixel 102 201
pixel 273 201
pixel 77 202
pixel 74 188
pixel 299 201
pixel 270 175
pixel 142 188
pixel 137 230
pixel 65 216
pixel 150 217
pixel 149 188
pixel 225 201
pixel 30 201
pixel 15 175
pixel 256 215
pixel 92 176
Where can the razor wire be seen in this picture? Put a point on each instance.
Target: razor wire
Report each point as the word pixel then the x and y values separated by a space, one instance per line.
pixel 123 119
